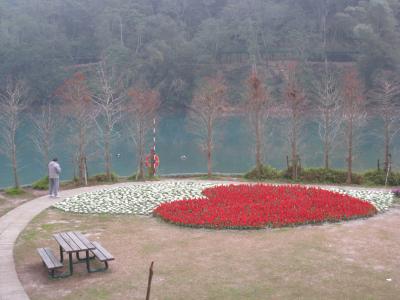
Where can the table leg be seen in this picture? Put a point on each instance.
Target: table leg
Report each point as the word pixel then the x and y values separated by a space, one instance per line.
pixel 71 267
pixel 61 254
pixel 83 259
pixel 87 261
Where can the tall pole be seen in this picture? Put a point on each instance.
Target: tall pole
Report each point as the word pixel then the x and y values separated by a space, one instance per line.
pixel 154 147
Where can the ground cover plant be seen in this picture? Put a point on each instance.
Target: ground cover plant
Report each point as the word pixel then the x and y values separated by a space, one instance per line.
pixel 139 199
pixel 142 199
pixel 258 206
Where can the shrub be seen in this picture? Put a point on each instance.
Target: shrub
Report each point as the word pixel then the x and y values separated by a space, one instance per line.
pixel 378 177
pixel 103 178
pixel 396 192
pixel 267 172
pixel 41 184
pixel 132 177
pixel 14 191
pixel 287 174
pixel 322 175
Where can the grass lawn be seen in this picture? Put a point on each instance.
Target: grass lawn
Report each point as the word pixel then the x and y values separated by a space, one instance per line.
pixel 352 260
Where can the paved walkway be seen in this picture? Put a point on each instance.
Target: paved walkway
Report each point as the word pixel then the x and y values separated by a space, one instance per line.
pixel 11 226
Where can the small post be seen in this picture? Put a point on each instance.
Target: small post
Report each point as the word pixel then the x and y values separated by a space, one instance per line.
pixel 287 162
pixel 149 281
pixel 379 165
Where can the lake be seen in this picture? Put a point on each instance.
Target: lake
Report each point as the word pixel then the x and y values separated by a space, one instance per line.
pixel 179 152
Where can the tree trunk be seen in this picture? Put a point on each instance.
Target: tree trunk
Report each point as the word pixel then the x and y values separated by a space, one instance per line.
pixel 326 143
pixel 14 165
pixel 350 154
pixel 81 157
pixel 107 157
pixel 386 145
pixel 294 150
pixel 82 171
pixel 209 150
pixel 140 175
pixel 326 158
pixel 258 149
pixel 46 157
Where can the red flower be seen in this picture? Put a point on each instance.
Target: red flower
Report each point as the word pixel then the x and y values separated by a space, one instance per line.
pixel 258 206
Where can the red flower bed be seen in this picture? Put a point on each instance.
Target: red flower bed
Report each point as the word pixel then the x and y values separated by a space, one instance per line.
pixel 257 206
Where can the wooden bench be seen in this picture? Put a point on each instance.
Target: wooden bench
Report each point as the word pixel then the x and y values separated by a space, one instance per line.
pixel 50 261
pixel 102 255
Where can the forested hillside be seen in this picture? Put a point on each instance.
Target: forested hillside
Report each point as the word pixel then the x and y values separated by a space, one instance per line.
pixel 169 44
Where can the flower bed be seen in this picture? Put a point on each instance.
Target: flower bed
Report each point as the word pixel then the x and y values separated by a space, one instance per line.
pixel 139 199
pixel 142 199
pixel 380 199
pixel 396 192
pixel 258 206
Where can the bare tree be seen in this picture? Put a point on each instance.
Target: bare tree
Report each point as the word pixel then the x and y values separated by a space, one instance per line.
pixel 294 108
pixel 206 109
pixel 108 100
pixel 354 114
pixel 385 102
pixel 141 108
pixel 12 103
pixel 44 126
pixel 329 106
pixel 257 106
pixel 80 113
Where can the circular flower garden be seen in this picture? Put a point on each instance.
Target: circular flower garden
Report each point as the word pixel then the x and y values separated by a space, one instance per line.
pixel 205 204
pixel 258 206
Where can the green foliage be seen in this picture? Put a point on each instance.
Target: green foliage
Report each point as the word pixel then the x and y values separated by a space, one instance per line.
pixel 132 177
pixel 308 175
pixel 322 175
pixel 41 184
pixel 375 177
pixel 148 39
pixel 103 178
pixel 267 173
pixel 14 191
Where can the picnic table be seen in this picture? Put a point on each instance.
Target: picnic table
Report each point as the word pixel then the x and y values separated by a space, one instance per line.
pixel 74 242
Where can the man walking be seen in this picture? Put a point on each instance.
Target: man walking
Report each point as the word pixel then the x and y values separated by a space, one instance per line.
pixel 54 177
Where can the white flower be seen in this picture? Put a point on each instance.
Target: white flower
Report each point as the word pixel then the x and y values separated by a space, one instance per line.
pixel 133 199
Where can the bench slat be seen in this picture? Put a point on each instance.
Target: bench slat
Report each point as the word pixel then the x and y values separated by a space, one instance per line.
pixel 70 242
pixel 45 257
pixel 56 263
pixel 62 243
pixel 76 240
pixel 101 253
pixel 49 259
pixel 84 240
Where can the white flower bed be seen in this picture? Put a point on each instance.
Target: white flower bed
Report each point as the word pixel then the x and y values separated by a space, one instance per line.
pixel 380 199
pixel 139 199
pixel 142 199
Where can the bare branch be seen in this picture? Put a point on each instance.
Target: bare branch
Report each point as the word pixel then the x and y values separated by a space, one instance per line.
pixel 207 107
pixel 13 102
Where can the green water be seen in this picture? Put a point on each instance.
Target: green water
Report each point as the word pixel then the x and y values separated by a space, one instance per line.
pixel 233 151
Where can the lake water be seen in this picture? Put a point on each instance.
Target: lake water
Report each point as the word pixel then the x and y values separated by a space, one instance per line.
pixel 233 151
